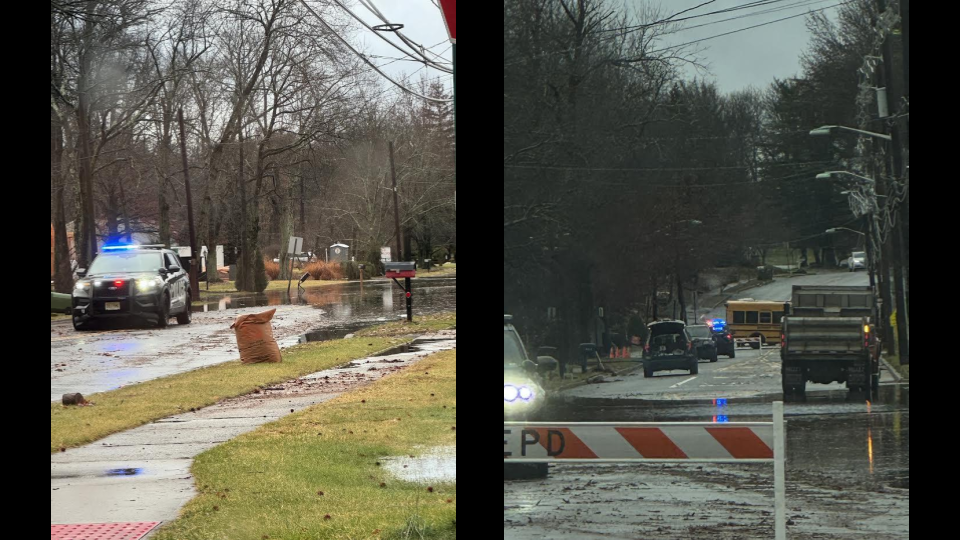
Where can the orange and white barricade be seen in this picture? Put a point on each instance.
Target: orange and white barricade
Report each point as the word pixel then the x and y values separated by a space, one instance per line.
pixel 655 442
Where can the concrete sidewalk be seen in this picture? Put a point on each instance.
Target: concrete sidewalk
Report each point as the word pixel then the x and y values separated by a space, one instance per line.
pixel 143 474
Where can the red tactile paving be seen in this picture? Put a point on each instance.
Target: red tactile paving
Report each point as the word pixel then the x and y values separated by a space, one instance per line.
pixel 102 531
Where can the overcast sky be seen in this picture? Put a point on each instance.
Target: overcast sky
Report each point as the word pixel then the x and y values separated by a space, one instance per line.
pixel 752 57
pixel 422 23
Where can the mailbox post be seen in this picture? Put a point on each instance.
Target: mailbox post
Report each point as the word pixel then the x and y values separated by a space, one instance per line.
pixel 406 270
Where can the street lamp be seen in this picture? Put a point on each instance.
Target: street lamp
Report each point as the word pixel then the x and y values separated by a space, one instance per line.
pixel 830 130
pixel 835 229
pixel 829 175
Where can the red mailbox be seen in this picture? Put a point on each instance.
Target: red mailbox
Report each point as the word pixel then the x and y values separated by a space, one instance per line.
pixel 400 269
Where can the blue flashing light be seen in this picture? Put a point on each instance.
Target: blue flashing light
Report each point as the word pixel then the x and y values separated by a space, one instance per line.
pixel 718 324
pixel 722 419
pixel 116 247
pixel 722 402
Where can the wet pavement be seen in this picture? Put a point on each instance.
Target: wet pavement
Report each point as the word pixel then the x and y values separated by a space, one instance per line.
pixel 143 474
pixel 847 460
pixel 119 354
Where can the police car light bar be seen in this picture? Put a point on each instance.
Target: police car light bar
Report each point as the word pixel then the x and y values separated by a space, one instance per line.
pixel 133 246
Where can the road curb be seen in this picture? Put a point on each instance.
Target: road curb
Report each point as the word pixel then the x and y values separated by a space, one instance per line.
pixel 616 373
pixel 896 374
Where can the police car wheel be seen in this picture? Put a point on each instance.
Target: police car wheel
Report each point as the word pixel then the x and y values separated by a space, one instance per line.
pixel 78 325
pixel 163 317
pixel 184 316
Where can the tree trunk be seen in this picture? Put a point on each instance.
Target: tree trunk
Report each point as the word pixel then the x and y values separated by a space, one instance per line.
pixel 62 276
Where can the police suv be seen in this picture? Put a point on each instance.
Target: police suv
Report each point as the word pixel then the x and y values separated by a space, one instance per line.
pixel 132 281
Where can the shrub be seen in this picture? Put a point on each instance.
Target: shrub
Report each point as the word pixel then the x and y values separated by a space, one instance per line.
pixel 272 268
pixel 323 270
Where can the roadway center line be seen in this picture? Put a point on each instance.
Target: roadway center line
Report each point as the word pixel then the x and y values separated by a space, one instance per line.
pixel 683 382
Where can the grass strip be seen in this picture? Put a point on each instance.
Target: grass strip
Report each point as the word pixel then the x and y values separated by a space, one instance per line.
pixel 135 405
pixel 320 473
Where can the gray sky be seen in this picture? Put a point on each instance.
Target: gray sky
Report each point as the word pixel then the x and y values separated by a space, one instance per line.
pixel 752 57
pixel 423 24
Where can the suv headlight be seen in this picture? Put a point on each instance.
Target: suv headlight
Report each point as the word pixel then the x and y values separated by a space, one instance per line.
pixel 82 289
pixel 148 285
pixel 520 393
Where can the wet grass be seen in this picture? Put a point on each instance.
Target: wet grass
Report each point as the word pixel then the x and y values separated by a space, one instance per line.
pixel 135 405
pixel 426 323
pixel 315 474
pixel 445 270
pixel 278 285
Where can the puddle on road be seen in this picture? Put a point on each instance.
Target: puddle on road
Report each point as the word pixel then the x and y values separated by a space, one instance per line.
pixel 335 332
pixel 124 472
pixel 438 464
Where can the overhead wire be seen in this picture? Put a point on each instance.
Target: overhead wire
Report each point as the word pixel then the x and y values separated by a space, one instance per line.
pixel 368 62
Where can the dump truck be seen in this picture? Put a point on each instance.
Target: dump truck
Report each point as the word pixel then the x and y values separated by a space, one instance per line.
pixel 828 336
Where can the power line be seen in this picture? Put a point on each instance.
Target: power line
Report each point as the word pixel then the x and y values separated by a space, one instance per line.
pixel 371 64
pixel 658 169
pixel 424 59
pixel 748 28
pixel 622 31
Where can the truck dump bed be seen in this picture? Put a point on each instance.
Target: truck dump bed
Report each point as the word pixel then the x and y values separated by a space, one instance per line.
pixel 834 337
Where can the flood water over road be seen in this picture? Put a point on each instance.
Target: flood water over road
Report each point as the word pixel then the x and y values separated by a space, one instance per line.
pixel 847 476
pixel 859 443
pixel 119 354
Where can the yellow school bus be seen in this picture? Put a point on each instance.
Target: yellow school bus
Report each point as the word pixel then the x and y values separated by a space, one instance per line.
pixel 749 318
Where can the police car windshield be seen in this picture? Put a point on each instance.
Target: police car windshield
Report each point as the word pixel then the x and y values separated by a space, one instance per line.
pixel 106 263
pixel 512 350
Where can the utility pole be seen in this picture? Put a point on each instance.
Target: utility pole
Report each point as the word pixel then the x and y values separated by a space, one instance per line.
pixel 396 205
pixel 896 174
pixel 194 254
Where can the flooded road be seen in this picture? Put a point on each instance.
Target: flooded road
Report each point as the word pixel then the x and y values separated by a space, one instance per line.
pixel 348 300
pixel 847 475
pixel 119 354
pixel 866 445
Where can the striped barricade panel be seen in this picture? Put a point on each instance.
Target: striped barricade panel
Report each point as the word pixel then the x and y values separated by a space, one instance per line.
pixel 638 442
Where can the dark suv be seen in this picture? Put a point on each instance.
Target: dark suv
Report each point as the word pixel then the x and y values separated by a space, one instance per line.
pixel 132 281
pixel 668 347
pixel 703 342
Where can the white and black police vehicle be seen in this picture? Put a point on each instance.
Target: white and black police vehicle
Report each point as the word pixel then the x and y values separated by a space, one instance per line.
pixel 523 395
pixel 142 282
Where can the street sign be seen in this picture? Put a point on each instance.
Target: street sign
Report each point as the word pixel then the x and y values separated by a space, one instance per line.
pixel 449 8
pixel 384 254
pixel 295 246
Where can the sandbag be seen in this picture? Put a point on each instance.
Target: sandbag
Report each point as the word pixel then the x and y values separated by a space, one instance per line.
pixel 255 338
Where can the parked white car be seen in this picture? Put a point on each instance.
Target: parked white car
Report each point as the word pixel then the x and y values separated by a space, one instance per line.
pixel 302 257
pixel 857 261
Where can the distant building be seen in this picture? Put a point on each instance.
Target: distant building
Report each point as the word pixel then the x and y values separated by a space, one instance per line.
pixel 338 253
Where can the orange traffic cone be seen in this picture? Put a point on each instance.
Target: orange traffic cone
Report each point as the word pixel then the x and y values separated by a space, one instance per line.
pixel 612 355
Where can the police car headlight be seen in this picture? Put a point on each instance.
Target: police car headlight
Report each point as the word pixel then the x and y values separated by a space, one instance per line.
pixel 510 393
pixel 148 285
pixel 82 288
